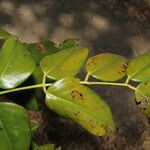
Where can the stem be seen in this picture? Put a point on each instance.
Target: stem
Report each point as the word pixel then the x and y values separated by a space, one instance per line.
pixel 25 88
pixel 109 83
pixel 44 81
pixel 87 77
pixel 127 80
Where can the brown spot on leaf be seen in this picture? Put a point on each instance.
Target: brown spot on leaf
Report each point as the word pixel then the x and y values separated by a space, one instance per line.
pixel 105 127
pixel 77 113
pixel 145 83
pixel 77 94
pixel 40 48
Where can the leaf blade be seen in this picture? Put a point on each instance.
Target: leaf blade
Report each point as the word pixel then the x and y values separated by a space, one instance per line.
pixel 16 64
pixel 107 66
pixel 80 104
pixel 142 95
pixel 17 130
pixel 139 68
pixel 63 63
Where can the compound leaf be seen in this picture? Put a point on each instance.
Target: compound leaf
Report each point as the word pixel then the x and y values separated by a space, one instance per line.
pixel 70 99
pixel 142 95
pixel 139 68
pixel 16 64
pixel 107 67
pixel 15 131
pixel 64 63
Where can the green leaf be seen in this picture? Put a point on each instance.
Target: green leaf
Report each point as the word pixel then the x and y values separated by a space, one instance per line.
pixel 142 95
pixel 4 34
pixel 107 67
pixel 40 50
pixel 16 64
pixel 70 99
pixel 69 43
pixel 47 147
pixel 15 131
pixel 31 104
pixel 64 63
pixel 139 68
pixel 34 146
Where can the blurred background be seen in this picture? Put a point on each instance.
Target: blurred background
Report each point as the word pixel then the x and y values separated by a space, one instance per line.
pixel 117 26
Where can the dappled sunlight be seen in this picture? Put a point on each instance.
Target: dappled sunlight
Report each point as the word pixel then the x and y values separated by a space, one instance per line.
pixel 139 44
pixel 7 7
pixel 67 20
pixel 99 22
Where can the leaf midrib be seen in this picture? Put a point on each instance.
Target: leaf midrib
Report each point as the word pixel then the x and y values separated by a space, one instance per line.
pixel 59 62
pixel 130 76
pixel 2 74
pixel 82 108
pixel 8 139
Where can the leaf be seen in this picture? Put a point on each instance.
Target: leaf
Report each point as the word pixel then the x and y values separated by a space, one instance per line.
pixel 107 67
pixel 40 50
pixel 64 63
pixel 70 99
pixel 14 127
pixel 34 146
pixel 31 104
pixel 4 34
pixel 139 68
pixel 16 64
pixel 69 43
pixel 47 147
pixel 142 95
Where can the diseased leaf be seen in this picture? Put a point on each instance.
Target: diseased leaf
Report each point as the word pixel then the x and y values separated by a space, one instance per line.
pixel 107 67
pixel 15 131
pixel 70 99
pixel 4 34
pixel 16 64
pixel 143 98
pixel 40 50
pixel 69 43
pixel 139 68
pixel 64 63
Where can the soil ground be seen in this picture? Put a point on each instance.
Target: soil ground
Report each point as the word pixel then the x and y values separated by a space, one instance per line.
pixel 116 26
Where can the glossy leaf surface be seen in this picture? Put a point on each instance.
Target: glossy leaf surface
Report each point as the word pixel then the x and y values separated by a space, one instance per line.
pixel 16 64
pixel 139 68
pixel 14 127
pixel 64 63
pixel 69 43
pixel 107 67
pixel 4 34
pixel 143 98
pixel 70 99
